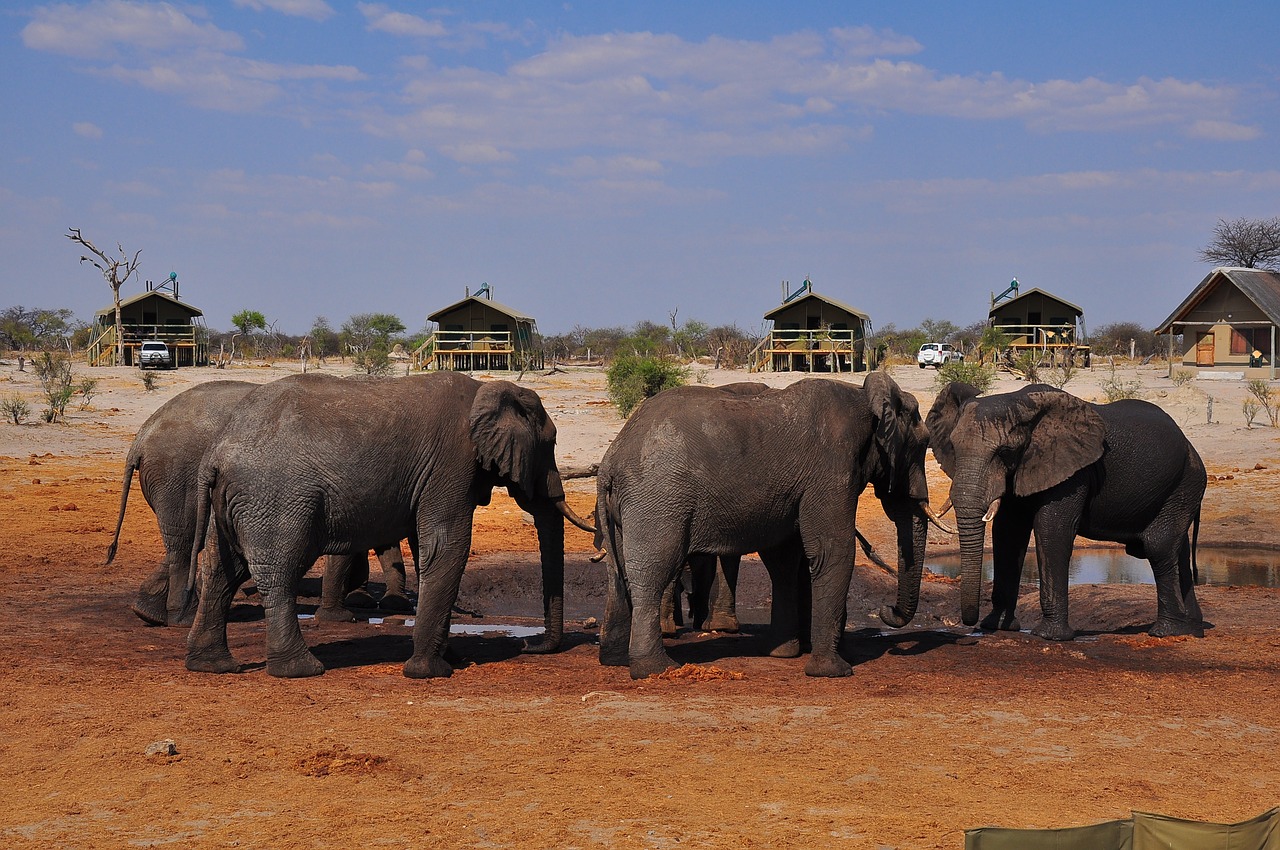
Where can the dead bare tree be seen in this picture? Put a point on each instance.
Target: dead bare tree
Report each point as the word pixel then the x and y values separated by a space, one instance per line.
pixel 1247 242
pixel 116 270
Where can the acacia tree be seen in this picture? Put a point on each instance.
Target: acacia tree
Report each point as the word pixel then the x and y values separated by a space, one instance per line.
pixel 116 270
pixel 1248 242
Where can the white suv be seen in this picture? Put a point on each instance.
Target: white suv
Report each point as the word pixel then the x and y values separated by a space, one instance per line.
pixel 154 354
pixel 937 355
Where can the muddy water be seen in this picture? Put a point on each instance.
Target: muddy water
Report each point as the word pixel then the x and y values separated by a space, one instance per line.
pixel 1218 566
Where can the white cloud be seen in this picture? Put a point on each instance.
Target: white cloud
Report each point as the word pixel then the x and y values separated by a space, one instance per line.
pixel 476 154
pixel 316 10
pixel 380 18
pixel 87 129
pixel 867 41
pixel 97 30
pixel 1223 131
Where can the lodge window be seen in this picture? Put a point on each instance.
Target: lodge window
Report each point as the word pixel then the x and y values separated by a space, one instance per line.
pixel 1246 340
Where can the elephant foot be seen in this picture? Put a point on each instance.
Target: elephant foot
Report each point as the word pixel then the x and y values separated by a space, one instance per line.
pixel 542 644
pixel 1050 630
pixel 359 599
pixel 335 614
pixel 295 667
pixel 150 609
pixel 182 618
pixel 427 667
pixel 396 602
pixel 1171 628
pixel 722 623
pixel 221 662
pixel 642 668
pixel 828 666
pixel 787 649
pixel 997 621
pixel 614 657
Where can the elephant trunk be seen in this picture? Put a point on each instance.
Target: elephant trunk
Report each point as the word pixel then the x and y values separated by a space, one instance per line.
pixel 548 520
pixel 973 534
pixel 912 530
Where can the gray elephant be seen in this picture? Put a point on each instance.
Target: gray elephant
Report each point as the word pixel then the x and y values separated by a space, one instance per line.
pixel 701 472
pixel 301 473
pixel 166 455
pixel 1042 460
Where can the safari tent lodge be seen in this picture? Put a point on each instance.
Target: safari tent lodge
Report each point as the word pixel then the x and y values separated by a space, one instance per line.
pixel 1228 324
pixel 1037 321
pixel 812 333
pixel 478 333
pixel 154 314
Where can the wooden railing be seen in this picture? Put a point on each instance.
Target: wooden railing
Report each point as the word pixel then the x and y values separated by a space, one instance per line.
pixel 465 351
pixel 184 342
pixel 794 350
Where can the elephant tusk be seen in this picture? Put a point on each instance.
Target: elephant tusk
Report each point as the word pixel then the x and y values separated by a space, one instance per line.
pixel 872 554
pixel 936 520
pixel 599 556
pixel 946 507
pixel 568 514
pixel 991 511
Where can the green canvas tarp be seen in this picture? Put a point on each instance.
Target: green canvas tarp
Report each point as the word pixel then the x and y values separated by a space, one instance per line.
pixel 1143 831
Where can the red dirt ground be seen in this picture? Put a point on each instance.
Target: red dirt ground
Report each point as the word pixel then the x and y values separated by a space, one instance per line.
pixel 936 731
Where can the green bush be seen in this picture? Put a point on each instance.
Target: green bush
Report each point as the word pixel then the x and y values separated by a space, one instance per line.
pixel 16 408
pixel 632 379
pixel 980 376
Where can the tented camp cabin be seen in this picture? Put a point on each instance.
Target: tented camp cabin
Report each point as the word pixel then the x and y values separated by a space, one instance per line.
pixel 812 333
pixel 478 333
pixel 154 314
pixel 1228 323
pixel 1036 321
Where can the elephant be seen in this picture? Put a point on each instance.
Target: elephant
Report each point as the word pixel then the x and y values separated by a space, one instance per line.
pixel 1043 460
pixel 696 471
pixel 301 473
pixel 343 586
pixel 166 454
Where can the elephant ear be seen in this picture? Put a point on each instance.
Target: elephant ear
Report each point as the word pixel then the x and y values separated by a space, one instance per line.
pixel 505 424
pixel 1067 435
pixel 942 421
pixel 887 401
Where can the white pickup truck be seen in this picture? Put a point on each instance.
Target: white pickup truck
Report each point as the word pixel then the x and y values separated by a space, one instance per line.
pixel 937 355
pixel 154 354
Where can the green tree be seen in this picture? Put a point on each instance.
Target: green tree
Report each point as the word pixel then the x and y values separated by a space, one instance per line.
pixel 631 379
pixel 324 340
pixel 992 342
pixel 938 330
pixel 246 322
pixel 1114 339
pixel 367 330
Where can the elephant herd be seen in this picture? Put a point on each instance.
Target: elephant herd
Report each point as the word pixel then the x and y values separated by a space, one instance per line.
pixel 258 481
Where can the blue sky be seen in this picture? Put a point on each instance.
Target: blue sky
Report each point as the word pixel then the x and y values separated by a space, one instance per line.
pixel 602 163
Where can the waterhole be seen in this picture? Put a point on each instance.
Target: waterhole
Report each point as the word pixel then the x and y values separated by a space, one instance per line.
pixel 1216 566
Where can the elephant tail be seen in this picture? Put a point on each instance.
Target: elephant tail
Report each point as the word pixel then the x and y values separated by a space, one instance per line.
pixel 204 488
pixel 131 463
pixel 1195 539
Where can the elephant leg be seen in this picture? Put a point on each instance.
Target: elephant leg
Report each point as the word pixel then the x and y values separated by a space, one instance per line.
pixel 722 605
pixel 671 608
pixel 355 589
pixel 830 573
pixel 333 588
pixel 1055 526
pixel 1177 610
pixel 615 629
pixel 150 603
pixel 651 566
pixel 288 656
pixel 786 565
pixel 1010 537
pixel 393 573
pixel 443 551
pixel 220 576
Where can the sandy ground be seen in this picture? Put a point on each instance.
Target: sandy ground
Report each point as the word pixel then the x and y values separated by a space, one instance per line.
pixel 938 729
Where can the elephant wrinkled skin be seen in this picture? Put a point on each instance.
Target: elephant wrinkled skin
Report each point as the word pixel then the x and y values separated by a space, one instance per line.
pixel 698 471
pixel 1042 460
pixel 316 465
